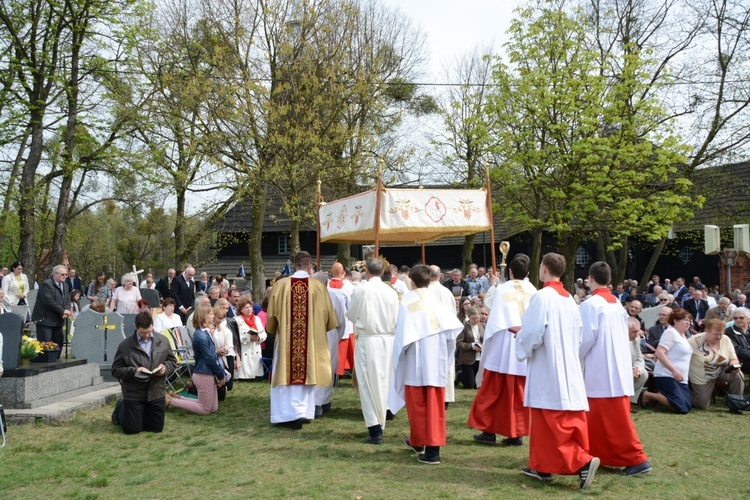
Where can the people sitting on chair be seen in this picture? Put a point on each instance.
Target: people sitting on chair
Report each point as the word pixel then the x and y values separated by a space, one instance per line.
pixel 209 374
pixel 143 394
pixel 252 334
pixel 739 334
pixel 167 319
pixel 713 355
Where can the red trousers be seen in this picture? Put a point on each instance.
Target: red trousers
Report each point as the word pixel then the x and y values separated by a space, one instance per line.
pixel 559 441
pixel 498 406
pixel 612 435
pixel 346 355
pixel 425 407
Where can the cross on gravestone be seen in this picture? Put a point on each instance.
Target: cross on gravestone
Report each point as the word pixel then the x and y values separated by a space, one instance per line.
pixel 106 326
pixel 137 278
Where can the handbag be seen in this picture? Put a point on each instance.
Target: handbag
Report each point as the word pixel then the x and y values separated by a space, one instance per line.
pixel 737 403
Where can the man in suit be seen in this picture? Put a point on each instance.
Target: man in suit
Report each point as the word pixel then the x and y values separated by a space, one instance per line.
pixel 50 310
pixel 73 281
pixel 698 308
pixel 621 294
pixel 164 285
pixel 652 299
pixel 681 290
pixel 183 292
pixel 740 337
pixel 234 301
pixel 654 333
pixel 723 311
pixel 741 300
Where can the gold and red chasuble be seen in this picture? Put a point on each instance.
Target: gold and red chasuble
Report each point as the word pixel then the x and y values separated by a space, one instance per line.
pixel 298 338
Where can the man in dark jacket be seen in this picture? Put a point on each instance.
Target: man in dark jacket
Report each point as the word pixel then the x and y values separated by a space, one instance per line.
pixel 183 293
pixel 740 336
pixel 143 393
pixel 51 308
pixel 164 285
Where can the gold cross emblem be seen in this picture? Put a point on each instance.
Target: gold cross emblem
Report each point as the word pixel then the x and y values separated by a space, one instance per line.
pixel 419 305
pixel 105 325
pixel 519 296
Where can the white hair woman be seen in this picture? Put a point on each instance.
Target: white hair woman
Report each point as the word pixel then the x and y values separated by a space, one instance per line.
pixel 125 299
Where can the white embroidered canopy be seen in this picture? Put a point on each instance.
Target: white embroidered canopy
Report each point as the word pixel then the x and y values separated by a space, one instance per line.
pixel 405 216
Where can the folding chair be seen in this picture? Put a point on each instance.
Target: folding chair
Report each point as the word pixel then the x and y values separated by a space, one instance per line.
pixel 267 364
pixel 184 365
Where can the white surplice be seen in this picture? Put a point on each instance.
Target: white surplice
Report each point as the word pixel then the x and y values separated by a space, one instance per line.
pixel 499 349
pixel 339 300
pixel 605 348
pixel 424 345
pixel 549 340
pixel 374 311
pixel 448 301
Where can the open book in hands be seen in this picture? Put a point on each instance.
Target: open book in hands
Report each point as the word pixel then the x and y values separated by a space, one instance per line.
pixel 145 373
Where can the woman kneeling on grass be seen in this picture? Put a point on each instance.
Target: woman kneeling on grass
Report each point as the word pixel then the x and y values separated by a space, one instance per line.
pixel 209 374
pixel 673 364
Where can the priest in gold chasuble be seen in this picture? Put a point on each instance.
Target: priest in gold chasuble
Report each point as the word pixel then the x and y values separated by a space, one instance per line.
pixel 300 312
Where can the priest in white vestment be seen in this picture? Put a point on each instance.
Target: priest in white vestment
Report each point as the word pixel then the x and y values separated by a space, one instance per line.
pixel 549 340
pixel 422 353
pixel 300 313
pixel 339 300
pixel 498 406
pixel 374 311
pixel 608 376
pixel 449 303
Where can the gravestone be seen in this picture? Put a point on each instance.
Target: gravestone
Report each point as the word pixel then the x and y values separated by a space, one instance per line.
pixel 650 316
pixel 150 296
pixel 97 336
pixel 128 324
pixel 10 326
pixel 22 311
pixel 31 299
pixel 82 302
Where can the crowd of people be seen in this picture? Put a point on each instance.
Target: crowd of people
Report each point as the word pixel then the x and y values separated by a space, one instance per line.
pixel 566 369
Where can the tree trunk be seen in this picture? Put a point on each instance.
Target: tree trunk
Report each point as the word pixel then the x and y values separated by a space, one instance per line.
pixel 180 253
pixel 536 255
pixel 27 192
pixel 344 254
pixel 466 252
pixel 622 261
pixel 257 215
pixel 12 183
pixel 294 235
pixel 643 283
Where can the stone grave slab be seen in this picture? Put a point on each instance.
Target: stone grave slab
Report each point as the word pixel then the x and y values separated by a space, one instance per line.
pixel 31 299
pixel 11 325
pixel 97 336
pixel 650 316
pixel 128 324
pixel 151 296
pixel 83 301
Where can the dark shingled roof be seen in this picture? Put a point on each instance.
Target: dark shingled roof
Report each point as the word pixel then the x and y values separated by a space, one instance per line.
pixel 727 192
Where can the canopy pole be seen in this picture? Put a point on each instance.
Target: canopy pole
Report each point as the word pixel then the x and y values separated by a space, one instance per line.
pixel 376 224
pixel 317 239
pixel 424 260
pixel 489 214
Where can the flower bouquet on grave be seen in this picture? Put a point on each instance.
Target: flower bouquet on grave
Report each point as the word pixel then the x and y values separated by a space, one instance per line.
pixel 50 353
pixel 30 348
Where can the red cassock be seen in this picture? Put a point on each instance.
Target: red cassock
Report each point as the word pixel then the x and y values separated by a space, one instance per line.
pixel 559 441
pixel 612 435
pixel 498 406
pixel 425 407
pixel 346 355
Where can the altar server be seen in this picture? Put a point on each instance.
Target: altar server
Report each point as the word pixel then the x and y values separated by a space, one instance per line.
pixel 498 406
pixel 550 340
pixel 422 353
pixel 448 301
pixel 608 376
pixel 323 394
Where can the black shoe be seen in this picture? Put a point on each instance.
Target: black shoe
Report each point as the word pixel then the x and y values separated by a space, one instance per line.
pixel 542 476
pixel 294 424
pixel 318 411
pixel 446 405
pixel 305 420
pixel 421 458
pixel 326 407
pixel 588 472
pixel 374 440
pixel 415 449
pixel 485 438
pixel 389 415
pixel 634 470
pixel 513 441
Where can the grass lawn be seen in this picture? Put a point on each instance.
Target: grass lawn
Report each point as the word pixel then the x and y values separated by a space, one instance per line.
pixel 236 452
